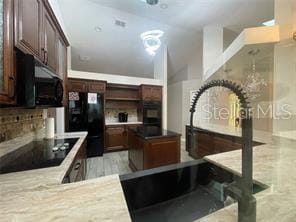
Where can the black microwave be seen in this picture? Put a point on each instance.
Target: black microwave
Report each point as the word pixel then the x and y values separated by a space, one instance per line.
pixel 37 86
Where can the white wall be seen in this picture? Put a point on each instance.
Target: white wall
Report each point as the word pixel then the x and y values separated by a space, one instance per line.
pixel 188 86
pixel 175 104
pixel 285 65
pixel 113 78
pixel 161 73
pixel 212 45
pixel 179 103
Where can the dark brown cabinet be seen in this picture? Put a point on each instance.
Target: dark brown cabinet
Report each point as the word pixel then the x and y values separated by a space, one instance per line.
pixel 7 70
pixel 79 85
pixel 151 93
pixel 99 87
pixel 208 143
pixel 116 137
pixel 28 26
pixel 77 170
pixel 61 66
pixel 49 42
pixel 37 31
pixel 147 153
pixel 31 27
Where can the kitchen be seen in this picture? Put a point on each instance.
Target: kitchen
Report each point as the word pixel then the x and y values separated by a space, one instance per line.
pixel 97 124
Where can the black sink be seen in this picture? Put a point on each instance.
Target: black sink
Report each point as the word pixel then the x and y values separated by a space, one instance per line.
pixel 182 192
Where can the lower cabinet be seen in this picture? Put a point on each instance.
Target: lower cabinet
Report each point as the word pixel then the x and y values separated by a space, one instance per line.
pixel 116 137
pixel 208 143
pixel 148 153
pixel 77 170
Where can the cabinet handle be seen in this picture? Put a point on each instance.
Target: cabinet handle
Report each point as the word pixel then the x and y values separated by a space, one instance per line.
pixel 43 50
pixel 45 56
pixel 46 61
pixel 77 166
pixel 12 79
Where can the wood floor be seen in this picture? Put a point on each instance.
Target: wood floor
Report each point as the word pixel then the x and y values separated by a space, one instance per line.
pixel 116 163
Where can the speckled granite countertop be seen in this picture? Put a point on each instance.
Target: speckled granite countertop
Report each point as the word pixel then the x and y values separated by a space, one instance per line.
pixel 38 195
pixel 274 164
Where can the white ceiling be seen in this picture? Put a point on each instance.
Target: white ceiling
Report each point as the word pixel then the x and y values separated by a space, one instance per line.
pixel 118 50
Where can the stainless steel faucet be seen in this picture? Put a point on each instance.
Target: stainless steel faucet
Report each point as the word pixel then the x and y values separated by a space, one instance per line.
pixel 242 189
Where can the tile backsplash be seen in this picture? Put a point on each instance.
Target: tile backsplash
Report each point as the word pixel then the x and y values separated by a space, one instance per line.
pixel 111 115
pixel 18 122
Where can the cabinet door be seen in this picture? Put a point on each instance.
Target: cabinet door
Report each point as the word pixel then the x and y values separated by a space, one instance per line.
pixel 146 93
pixel 7 72
pixel 98 87
pixel 61 58
pixel 77 86
pixel 156 93
pixel 28 29
pixel 62 65
pixel 116 138
pixel 205 144
pixel 50 42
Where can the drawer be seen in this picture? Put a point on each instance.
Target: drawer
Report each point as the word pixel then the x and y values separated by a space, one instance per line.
pixel 77 166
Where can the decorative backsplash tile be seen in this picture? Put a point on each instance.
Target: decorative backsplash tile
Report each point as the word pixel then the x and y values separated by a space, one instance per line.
pixel 111 115
pixel 18 122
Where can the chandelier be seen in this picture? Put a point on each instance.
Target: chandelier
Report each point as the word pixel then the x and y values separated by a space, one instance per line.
pixel 151 41
pixel 254 83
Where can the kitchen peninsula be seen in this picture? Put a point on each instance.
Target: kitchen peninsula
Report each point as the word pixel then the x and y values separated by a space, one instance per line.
pixel 151 147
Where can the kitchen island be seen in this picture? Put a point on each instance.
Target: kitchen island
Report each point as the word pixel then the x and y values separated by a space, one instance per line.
pixel 151 147
pixel 40 195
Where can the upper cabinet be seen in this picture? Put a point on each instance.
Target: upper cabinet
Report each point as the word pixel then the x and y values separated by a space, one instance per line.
pixel 151 93
pixel 7 71
pixel 49 40
pixel 79 85
pixel 31 27
pixel 38 32
pixel 61 66
pixel 28 26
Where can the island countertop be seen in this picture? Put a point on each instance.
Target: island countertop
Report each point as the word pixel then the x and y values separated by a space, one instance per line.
pixel 39 195
pixel 274 164
pixel 153 132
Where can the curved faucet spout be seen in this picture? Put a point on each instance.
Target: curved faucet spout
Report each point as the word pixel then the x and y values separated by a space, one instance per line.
pixel 246 201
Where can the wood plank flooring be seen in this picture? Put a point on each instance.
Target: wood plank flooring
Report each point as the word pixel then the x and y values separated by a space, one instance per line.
pixel 117 163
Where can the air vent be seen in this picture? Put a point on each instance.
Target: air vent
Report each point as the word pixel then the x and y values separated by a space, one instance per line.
pixel 120 23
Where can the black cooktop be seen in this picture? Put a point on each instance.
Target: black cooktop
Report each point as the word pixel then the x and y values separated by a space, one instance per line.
pixel 38 154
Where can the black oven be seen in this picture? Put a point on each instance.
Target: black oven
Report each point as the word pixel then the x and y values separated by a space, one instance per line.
pixel 37 85
pixel 152 113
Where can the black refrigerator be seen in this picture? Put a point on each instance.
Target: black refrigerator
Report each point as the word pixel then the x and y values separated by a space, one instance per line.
pixel 86 113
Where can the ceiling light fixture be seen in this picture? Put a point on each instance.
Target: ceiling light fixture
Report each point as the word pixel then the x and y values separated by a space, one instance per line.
pixel 254 84
pixel 151 41
pixel 151 2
